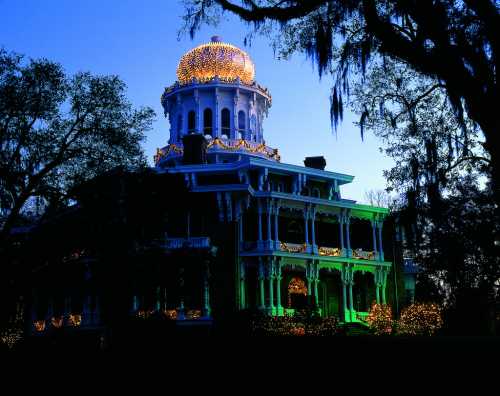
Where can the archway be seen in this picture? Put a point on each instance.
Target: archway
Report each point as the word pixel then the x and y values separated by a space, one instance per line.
pixel 297 293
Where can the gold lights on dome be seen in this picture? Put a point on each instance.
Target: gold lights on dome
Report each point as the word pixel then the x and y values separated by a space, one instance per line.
pixel 216 59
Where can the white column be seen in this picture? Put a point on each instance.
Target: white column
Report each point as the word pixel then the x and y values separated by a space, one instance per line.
pixel 341 233
pixel 306 227
pixel 348 235
pixel 381 249
pixel 276 226
pixel 261 285
pixel 268 213
pixel 271 285
pixel 259 211
pixel 313 231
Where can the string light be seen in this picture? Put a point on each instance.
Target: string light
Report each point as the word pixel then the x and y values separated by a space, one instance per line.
pixel 231 145
pixel 215 59
pixel 379 319
pixel 420 319
pixel 329 251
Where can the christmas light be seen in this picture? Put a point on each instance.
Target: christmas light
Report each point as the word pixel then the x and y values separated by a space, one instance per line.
pixel 215 59
pixel 329 251
pixel 419 319
pixel 379 319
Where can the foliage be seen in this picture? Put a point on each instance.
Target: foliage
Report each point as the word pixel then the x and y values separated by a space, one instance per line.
pixel 379 319
pixel 419 319
pixel 57 131
pixel 295 325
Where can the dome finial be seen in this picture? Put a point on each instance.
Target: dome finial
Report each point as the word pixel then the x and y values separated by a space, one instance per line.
pixel 216 39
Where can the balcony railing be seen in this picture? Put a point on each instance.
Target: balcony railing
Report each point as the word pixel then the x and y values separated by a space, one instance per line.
pixel 293 247
pixel 329 251
pixel 363 254
pixel 193 242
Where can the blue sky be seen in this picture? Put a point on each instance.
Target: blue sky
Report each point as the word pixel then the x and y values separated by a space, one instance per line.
pixel 137 40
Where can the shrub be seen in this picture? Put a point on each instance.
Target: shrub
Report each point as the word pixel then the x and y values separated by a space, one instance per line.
pixel 380 319
pixel 420 319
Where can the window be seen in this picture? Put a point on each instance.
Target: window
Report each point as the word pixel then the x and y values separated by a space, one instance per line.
pixel 191 121
pixel 225 122
pixel 207 122
pixel 179 125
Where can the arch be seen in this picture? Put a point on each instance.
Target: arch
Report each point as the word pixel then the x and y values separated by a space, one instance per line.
pixel 207 122
pixel 179 125
pixel 296 287
pixel 225 121
pixel 191 121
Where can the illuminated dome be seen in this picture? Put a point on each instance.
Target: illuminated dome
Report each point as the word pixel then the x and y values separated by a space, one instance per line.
pixel 216 59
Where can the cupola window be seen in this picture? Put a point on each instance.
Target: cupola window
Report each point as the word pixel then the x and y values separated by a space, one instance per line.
pixel 207 122
pixel 225 122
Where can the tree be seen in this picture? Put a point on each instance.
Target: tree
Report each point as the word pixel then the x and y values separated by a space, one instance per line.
pixel 57 131
pixel 446 207
pixel 455 43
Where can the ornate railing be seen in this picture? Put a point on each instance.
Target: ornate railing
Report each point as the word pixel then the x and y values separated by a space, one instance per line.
pixel 329 251
pixel 293 247
pixel 193 242
pixel 364 255
pixel 217 144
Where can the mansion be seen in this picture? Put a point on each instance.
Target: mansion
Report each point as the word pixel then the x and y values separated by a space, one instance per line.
pixel 220 224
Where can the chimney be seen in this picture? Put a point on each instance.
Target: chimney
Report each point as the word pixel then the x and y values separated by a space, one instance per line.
pixel 315 162
pixel 195 149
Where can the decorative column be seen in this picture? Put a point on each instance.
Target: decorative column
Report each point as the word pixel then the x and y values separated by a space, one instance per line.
pixel 180 312
pixel 309 277
pixel 345 281
pixel 279 307
pixel 259 210
pixel 383 275
pixel 262 305
pixel 197 126
pixel 351 300
pixel 270 274
pixel 206 290
pixel 217 114
pixel 374 226
pixel 235 114
pixel 314 247
pixel 348 234
pixel 242 285
pixel 269 214
pixel 306 227
pixel 381 249
pixel 158 299
pixel 276 225
pixel 377 284
pixel 135 304
pixel 341 233
pixel 316 281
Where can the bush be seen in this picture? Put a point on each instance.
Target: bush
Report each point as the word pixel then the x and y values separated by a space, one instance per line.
pixel 380 319
pixel 420 319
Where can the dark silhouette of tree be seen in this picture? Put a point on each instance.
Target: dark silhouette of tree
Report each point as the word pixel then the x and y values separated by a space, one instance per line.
pixel 453 42
pixel 57 131
pixel 446 207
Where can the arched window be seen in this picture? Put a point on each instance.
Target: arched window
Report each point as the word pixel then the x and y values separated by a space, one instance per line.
pixel 241 120
pixel 225 122
pixel 207 122
pixel 179 125
pixel 191 121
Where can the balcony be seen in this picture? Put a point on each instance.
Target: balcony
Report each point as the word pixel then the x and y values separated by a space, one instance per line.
pixel 193 243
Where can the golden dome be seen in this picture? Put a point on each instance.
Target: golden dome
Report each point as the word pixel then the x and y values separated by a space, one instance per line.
pixel 216 59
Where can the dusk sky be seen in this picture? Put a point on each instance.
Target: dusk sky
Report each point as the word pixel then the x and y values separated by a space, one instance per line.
pixel 137 40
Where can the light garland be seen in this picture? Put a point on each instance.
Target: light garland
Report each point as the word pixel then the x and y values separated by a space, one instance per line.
pixel 329 251
pixel 39 325
pixel 75 320
pixel 293 247
pixel 215 59
pixel 239 144
pixel 57 322
pixel 363 255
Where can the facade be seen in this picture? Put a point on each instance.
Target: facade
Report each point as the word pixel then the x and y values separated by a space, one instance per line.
pixel 295 231
pixel 219 225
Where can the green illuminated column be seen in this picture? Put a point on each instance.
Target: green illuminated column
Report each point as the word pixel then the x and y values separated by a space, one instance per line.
pixel 261 284
pixel 309 278
pixel 313 231
pixel 384 282
pixel 279 307
pixel 316 281
pixel 377 284
pixel 344 294
pixel 351 305
pixel 242 286
pixel 270 274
